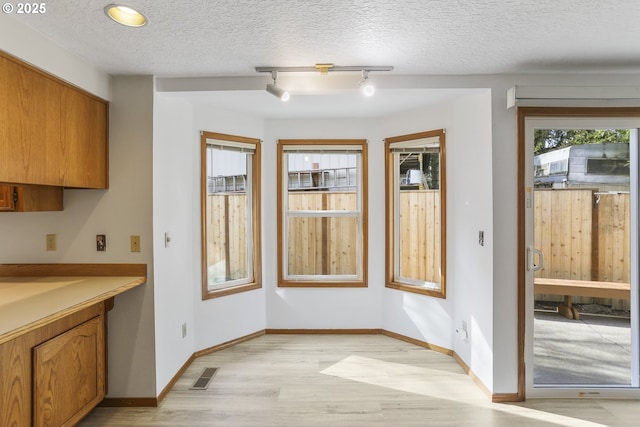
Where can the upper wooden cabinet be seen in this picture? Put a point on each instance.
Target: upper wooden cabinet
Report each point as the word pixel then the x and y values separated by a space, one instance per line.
pixel 30 198
pixel 51 133
pixel 6 198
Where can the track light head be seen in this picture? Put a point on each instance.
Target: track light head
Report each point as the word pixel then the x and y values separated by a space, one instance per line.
pixel 278 92
pixel 365 84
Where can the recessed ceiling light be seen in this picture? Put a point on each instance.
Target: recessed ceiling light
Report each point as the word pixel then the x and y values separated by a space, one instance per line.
pixel 125 15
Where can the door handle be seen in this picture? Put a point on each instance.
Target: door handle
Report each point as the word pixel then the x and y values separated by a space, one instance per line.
pixel 532 266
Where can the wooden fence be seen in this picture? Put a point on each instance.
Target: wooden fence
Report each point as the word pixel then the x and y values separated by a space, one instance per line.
pixel 321 245
pixel 327 246
pixel 584 235
pixel 420 235
pixel 226 236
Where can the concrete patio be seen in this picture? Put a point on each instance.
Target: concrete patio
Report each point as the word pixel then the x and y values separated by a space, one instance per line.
pixel 595 350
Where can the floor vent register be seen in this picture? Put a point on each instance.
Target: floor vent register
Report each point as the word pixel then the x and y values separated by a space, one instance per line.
pixel 203 381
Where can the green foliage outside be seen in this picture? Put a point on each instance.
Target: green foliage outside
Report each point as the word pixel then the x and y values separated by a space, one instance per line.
pixel 552 139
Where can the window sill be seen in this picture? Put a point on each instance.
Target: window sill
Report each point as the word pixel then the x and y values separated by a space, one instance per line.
pixel 417 289
pixel 321 284
pixel 217 293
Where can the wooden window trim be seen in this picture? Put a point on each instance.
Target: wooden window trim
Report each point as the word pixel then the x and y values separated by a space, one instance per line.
pixel 390 281
pixel 358 283
pixel 256 215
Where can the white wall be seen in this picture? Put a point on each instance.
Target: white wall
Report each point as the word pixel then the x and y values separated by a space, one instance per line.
pixel 175 185
pixel 127 211
pixel 21 41
pixel 471 211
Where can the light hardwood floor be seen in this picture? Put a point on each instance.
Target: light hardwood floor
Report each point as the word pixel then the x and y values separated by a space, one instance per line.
pixel 348 380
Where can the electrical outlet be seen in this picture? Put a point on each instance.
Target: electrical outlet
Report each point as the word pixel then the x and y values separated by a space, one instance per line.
pixel 184 330
pixel 52 243
pixel 465 332
pixel 135 243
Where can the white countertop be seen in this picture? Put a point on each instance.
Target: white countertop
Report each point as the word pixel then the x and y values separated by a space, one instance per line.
pixel 29 302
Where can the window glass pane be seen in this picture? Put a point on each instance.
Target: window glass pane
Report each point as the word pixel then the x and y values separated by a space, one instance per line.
pixel 228 217
pixel 418 218
pixel 419 229
pixel 608 166
pixel 322 246
pixel 321 172
pixel 227 242
pixel 226 170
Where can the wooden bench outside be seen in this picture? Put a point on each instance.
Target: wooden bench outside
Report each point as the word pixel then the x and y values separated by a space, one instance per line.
pixel 583 288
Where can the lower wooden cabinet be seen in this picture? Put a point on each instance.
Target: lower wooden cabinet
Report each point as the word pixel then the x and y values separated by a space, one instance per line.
pixel 68 375
pixel 55 374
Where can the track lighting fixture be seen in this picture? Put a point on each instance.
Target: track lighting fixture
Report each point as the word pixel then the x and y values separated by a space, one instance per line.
pixel 276 91
pixel 365 84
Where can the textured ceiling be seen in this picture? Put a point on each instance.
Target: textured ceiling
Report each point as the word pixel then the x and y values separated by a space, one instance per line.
pixel 231 37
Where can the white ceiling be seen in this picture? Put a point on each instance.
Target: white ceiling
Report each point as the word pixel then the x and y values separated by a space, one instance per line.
pixel 216 38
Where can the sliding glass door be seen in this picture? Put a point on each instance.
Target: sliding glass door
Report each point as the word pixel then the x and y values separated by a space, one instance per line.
pixel 581 239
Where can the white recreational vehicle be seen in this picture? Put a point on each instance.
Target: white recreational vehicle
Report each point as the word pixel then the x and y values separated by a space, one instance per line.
pixel 603 166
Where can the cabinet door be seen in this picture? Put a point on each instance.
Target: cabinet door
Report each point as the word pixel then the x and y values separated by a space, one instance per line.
pixel 6 198
pixel 84 130
pixel 30 141
pixel 68 375
pixel 51 133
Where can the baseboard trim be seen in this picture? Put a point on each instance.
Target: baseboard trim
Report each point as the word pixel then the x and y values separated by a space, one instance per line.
pixel 141 402
pixel 325 331
pixel 473 375
pixel 506 398
pixel 495 397
pixel 228 344
pixel 417 342
pixel 176 377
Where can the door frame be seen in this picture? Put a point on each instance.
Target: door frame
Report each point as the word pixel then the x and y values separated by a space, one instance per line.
pixel 522 114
